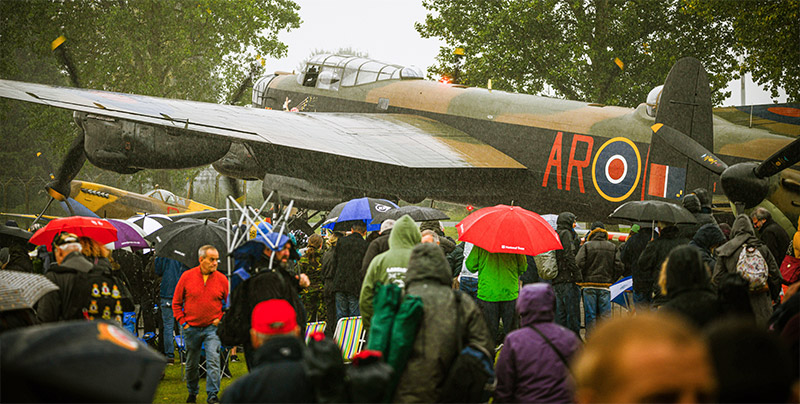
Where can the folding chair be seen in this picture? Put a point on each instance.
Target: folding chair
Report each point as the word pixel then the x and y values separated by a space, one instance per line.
pixel 317 326
pixel 225 370
pixel 181 348
pixel 349 336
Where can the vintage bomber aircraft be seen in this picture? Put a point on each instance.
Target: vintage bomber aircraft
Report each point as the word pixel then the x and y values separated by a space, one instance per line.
pixel 365 127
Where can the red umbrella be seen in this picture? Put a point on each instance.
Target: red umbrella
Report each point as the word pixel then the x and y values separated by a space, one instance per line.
pixel 508 229
pixel 97 229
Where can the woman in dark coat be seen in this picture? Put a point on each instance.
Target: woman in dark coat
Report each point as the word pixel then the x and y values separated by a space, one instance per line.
pixel 528 369
pixel 686 284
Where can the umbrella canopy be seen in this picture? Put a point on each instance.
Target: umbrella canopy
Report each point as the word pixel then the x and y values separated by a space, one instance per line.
pixel 508 229
pixel 128 235
pixel 11 231
pixel 78 361
pixel 150 223
pixel 418 213
pixel 363 209
pixel 181 241
pixel 21 290
pixel 653 211
pixel 99 230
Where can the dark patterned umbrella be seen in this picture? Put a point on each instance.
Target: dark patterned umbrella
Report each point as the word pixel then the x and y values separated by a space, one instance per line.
pixel 21 290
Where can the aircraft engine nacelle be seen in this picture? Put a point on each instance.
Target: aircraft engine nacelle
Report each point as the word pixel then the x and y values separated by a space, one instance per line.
pixel 304 193
pixel 124 146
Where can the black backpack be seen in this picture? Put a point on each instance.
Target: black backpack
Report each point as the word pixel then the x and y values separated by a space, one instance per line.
pixel 99 295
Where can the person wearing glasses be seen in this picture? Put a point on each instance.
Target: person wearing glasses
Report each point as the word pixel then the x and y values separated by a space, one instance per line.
pixel 197 306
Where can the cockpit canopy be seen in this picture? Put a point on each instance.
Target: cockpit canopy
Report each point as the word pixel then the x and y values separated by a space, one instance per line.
pixel 168 197
pixel 328 72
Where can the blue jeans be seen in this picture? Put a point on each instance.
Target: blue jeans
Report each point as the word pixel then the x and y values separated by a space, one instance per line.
pixel 169 327
pixel 469 286
pixel 493 311
pixel 568 306
pixel 596 304
pixel 195 337
pixel 346 305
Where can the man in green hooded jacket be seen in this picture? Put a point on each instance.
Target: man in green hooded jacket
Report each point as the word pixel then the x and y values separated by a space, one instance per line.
pixel 389 266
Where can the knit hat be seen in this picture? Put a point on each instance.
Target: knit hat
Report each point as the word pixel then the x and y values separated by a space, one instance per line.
pixel 596 225
pixel 272 317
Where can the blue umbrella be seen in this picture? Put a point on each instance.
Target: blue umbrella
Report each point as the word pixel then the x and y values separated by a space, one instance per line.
pixel 363 209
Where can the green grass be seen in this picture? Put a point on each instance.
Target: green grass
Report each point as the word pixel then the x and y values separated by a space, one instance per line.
pixel 172 388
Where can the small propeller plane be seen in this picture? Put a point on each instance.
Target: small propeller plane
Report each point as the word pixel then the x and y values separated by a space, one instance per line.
pixel 359 127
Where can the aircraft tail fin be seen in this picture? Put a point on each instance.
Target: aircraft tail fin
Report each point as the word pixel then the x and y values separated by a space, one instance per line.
pixel 685 107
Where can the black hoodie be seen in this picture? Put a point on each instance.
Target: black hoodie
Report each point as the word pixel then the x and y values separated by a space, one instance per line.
pixel 688 287
pixel 567 268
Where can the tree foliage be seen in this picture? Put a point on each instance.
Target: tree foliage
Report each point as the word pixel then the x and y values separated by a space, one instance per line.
pixel 187 49
pixel 571 45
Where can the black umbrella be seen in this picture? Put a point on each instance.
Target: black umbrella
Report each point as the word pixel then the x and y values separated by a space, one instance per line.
pixel 181 241
pixel 653 211
pixel 418 213
pixel 11 231
pixel 78 361
pixel 21 290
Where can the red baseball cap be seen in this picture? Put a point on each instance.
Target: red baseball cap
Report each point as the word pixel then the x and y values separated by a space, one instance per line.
pixel 275 316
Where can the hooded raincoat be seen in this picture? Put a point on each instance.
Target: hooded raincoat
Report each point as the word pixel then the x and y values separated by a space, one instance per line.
pixel 743 233
pixel 528 369
pixel 389 266
pixel 709 235
pixel 436 345
pixel 689 287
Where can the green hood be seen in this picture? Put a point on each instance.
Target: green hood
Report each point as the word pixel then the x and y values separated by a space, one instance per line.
pixel 405 233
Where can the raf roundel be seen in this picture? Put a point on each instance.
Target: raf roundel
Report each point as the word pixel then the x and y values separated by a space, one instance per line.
pixel 616 169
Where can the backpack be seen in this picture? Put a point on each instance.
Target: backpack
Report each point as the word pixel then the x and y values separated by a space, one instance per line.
pixel 471 377
pixel 99 295
pixel 752 267
pixel 547 265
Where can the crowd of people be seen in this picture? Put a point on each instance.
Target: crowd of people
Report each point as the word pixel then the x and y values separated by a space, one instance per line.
pixel 712 317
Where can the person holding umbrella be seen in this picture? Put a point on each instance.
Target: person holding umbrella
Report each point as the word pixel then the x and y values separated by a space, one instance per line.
pixel 197 306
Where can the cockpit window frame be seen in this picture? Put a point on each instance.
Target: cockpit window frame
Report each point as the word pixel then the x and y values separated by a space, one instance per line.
pixel 342 65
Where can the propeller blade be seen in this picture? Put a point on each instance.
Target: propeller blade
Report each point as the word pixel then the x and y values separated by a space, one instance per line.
pixel 689 148
pixel 786 157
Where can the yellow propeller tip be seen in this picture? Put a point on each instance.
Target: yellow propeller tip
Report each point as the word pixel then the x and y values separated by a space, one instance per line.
pixel 55 44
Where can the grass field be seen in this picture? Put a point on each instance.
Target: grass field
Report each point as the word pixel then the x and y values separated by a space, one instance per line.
pixel 172 388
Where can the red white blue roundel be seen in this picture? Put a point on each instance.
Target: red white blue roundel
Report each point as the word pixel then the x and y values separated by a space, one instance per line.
pixel 616 169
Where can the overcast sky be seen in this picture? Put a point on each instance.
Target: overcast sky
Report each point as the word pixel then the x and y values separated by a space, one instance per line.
pixel 385 30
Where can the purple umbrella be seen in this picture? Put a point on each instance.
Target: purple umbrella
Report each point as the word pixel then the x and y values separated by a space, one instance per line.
pixel 128 235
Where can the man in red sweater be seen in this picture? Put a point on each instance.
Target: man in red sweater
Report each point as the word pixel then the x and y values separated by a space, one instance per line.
pixel 197 306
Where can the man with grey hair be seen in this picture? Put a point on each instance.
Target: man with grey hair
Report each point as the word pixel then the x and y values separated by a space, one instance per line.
pixel 56 305
pixel 197 306
pixel 771 233
pixel 430 236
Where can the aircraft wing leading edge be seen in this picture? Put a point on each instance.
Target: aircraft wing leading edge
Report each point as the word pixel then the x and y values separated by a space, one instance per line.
pixel 406 141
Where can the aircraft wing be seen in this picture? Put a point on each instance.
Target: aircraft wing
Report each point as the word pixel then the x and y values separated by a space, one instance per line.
pixel 395 139
pixel 780 119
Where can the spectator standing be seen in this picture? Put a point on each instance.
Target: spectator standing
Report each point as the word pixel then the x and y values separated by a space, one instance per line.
pixel 347 277
pixel 743 234
pixel 498 286
pixel 629 253
pixel 600 266
pixel 685 282
pixel 197 306
pixel 170 271
pixel 771 233
pixel 568 294
pixel 328 272
pixel 706 240
pixel 278 374
pixel 378 245
pixel 467 279
pixel 311 265
pixel 69 263
pixel 529 370
pixel 436 344
pixel 654 255
pixel 389 266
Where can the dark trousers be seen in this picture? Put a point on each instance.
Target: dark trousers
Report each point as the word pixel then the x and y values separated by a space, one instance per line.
pixel 568 306
pixel 330 308
pixel 494 311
